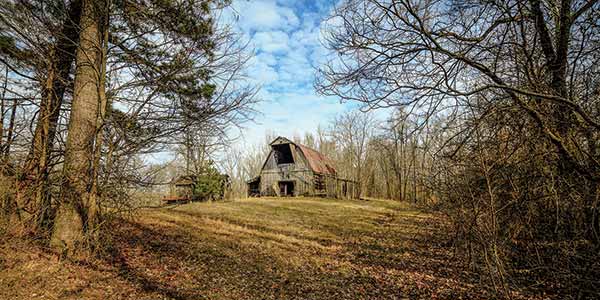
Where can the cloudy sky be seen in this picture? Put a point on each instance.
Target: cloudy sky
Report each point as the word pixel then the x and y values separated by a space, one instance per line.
pixel 285 36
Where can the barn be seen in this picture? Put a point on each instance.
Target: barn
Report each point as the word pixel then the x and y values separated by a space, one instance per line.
pixel 292 169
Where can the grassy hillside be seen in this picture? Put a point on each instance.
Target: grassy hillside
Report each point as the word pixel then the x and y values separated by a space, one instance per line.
pixel 264 248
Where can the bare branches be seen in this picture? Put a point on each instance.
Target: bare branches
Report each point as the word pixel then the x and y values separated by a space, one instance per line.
pixel 515 85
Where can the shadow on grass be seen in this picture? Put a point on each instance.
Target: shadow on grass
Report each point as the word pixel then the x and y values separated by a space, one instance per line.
pixel 144 267
pixel 184 255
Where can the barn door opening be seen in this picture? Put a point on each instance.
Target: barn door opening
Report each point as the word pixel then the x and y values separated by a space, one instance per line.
pixel 286 188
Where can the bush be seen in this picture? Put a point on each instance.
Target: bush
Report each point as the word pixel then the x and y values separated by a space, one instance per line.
pixel 521 217
pixel 210 184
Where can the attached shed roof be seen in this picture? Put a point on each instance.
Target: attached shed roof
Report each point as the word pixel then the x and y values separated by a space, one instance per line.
pixel 255 179
pixel 316 161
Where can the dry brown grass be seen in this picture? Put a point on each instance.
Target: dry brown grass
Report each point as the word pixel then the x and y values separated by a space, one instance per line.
pixel 264 248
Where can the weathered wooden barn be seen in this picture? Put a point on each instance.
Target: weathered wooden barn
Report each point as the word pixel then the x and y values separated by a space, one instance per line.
pixel 292 169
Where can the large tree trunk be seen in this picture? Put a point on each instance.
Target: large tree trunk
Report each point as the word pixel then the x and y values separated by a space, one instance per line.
pixel 34 183
pixel 11 127
pixel 93 203
pixel 72 217
pixel 2 106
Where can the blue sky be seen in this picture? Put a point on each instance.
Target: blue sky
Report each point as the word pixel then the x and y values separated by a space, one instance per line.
pixel 285 36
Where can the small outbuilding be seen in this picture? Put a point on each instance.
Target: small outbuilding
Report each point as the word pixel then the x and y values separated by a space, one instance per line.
pixel 182 188
pixel 209 186
pixel 292 169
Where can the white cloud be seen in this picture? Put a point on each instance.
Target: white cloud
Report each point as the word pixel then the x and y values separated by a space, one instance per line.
pixel 262 72
pixel 290 113
pixel 286 35
pixel 264 15
pixel 271 41
pixel 267 58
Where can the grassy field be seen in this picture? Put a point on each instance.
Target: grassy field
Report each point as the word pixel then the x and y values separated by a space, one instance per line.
pixel 265 248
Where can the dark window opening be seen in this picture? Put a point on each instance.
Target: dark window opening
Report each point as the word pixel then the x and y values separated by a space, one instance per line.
pixel 286 188
pixel 283 154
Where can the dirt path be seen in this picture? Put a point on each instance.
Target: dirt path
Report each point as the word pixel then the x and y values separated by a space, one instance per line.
pixel 258 249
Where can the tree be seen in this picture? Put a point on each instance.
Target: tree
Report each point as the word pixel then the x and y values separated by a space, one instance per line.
pixel 514 86
pixel 57 78
pixel 39 45
pixel 76 213
pixel 426 56
pixel 351 133
pixel 210 184
pixel 146 74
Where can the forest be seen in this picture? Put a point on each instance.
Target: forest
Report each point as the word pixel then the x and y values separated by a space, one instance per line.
pixel 471 129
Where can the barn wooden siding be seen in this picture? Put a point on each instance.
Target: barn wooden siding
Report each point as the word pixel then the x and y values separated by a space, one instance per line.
pixel 306 181
pixel 304 184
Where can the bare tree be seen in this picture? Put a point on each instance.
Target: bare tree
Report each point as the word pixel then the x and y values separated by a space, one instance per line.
pixel 515 85
pixel 352 132
pixel 428 55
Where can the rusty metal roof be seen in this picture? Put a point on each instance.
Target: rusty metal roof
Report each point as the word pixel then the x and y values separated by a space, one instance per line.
pixel 317 161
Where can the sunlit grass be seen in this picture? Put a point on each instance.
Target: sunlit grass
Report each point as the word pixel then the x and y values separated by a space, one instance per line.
pixel 320 248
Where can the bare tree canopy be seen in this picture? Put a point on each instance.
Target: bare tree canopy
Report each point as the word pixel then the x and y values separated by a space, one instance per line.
pixel 512 89
pixel 436 55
